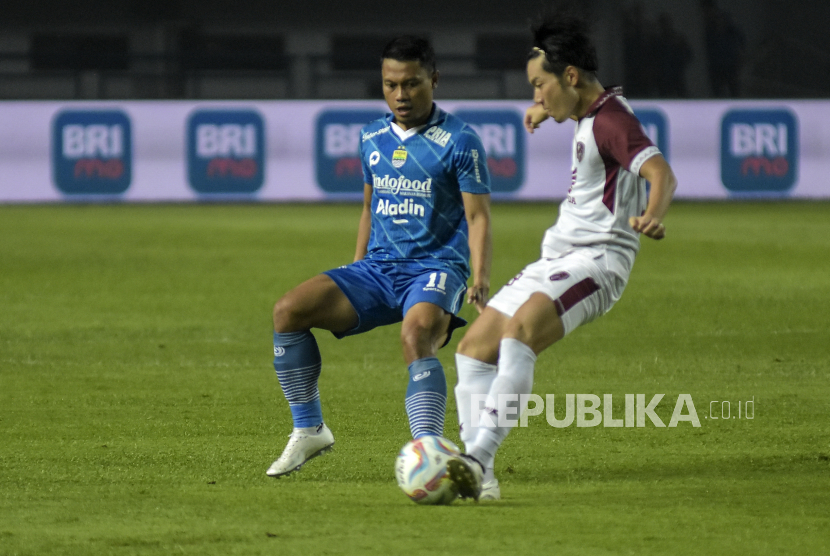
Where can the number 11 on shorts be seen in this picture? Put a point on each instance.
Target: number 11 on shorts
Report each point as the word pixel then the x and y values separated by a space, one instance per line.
pixel 442 280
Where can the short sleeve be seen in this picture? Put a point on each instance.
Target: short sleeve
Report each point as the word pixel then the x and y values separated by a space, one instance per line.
pixel 620 137
pixel 364 163
pixel 471 163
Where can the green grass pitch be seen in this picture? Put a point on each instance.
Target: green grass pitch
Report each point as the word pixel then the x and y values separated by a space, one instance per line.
pixel 139 409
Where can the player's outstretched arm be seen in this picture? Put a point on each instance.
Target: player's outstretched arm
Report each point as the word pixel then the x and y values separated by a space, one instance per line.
pixel 365 226
pixel 477 210
pixel 663 184
pixel 534 116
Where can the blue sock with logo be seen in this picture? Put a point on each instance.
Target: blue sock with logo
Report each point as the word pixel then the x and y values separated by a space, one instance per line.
pixel 426 397
pixel 297 362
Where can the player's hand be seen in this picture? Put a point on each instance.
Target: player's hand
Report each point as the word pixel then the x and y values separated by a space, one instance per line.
pixel 648 225
pixel 534 116
pixel 478 296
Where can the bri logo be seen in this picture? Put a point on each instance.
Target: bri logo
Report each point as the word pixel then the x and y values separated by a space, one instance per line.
pixel 503 137
pixel 759 151
pixel 92 152
pixel 226 151
pixel 337 148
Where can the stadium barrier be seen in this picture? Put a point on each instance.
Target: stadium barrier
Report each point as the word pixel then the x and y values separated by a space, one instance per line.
pixel 158 151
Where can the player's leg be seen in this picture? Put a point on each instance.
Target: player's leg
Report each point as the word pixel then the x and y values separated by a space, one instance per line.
pixel 317 303
pixel 535 326
pixel 430 300
pixel 423 331
pixel 473 472
pixel 561 294
pixel 475 363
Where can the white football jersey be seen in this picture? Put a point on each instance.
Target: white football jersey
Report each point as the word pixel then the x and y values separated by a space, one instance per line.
pixel 606 189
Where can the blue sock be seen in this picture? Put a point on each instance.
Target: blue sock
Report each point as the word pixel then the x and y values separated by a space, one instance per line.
pixel 297 362
pixel 426 397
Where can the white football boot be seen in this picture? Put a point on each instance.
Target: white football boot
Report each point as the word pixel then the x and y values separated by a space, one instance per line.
pixel 490 490
pixel 466 472
pixel 301 447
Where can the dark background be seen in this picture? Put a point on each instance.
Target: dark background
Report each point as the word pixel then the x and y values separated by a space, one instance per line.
pixel 158 49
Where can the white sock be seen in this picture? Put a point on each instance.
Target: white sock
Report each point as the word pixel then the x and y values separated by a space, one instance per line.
pixel 515 376
pixel 474 378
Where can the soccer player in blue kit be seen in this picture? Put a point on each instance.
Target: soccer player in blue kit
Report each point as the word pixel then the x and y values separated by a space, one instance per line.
pixel 425 222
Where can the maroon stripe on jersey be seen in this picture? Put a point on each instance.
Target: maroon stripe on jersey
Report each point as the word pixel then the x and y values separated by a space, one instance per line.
pixel 609 192
pixel 574 295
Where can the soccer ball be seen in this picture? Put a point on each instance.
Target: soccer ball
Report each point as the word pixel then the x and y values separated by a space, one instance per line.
pixel 421 470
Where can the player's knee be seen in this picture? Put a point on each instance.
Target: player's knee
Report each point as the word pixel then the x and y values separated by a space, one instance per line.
pixel 418 339
pixel 478 347
pixel 518 330
pixel 286 315
pixel 468 345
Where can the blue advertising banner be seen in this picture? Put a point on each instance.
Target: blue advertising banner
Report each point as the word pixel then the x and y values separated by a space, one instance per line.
pixel 92 152
pixel 759 151
pixel 225 151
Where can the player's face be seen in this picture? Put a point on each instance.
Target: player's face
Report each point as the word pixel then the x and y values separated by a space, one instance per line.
pixel 407 87
pixel 555 93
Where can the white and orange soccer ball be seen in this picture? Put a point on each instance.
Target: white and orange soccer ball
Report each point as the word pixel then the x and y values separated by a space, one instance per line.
pixel 421 470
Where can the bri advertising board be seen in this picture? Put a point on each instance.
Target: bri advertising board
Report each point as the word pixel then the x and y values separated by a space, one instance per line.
pixel 308 151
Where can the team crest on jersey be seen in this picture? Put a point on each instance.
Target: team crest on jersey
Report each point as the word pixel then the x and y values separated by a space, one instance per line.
pixel 580 151
pixel 399 157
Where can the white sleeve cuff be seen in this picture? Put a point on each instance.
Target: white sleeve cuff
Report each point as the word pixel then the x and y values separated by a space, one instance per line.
pixel 640 159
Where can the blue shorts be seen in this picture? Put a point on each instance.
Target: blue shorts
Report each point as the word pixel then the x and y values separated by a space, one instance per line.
pixel 382 292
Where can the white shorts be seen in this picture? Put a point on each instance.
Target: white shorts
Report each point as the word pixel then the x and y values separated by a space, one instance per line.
pixel 584 283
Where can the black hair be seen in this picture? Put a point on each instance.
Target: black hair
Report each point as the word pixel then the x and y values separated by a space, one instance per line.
pixel 563 38
pixel 408 48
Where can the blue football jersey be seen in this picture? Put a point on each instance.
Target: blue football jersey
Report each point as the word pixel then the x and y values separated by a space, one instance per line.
pixel 417 209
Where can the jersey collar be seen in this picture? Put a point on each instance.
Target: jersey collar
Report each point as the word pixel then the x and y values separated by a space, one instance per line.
pixel 434 118
pixel 610 92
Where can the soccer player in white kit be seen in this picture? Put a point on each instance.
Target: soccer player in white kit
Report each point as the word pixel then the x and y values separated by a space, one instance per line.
pixel 587 254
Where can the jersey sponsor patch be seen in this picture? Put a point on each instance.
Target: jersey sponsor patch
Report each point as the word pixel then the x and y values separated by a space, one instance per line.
pixel 438 136
pixel 388 208
pixel 402 186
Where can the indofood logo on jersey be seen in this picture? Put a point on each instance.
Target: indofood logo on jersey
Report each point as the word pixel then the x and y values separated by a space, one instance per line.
pixel 502 134
pixel 402 186
pixel 337 151
pixel 759 151
pixel 656 127
pixel 92 152
pixel 226 151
